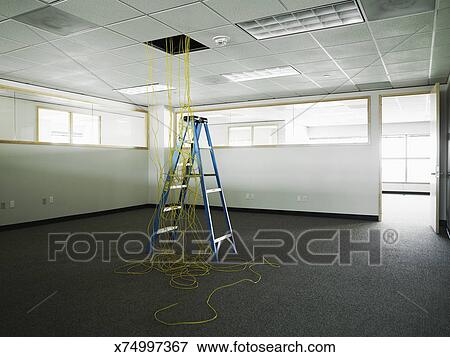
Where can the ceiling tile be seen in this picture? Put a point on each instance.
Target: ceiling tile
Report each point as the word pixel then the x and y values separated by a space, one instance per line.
pixel 100 12
pixel 235 34
pixel 408 67
pixel 409 83
pixel 442 37
pixel 358 62
pixel 371 71
pixel 322 66
pixel 149 6
pixel 243 10
pixel 293 5
pixel 364 79
pixel 444 4
pixel 41 54
pixel 143 29
pixel 9 64
pixel 102 60
pixel 443 19
pixel 9 45
pixel 101 39
pixel 352 50
pixel 402 26
pixel 441 51
pixel 377 10
pixel 135 69
pixel 190 18
pixel 297 57
pixel 226 67
pixel 262 85
pixel 10 8
pixel 138 52
pixel 120 80
pixel 405 42
pixel 206 57
pixel 289 43
pixel 343 35
pixel 245 50
pixel 72 48
pixel 326 75
pixel 262 62
pixel 406 76
pixel 17 31
pixel 407 56
pixel 374 85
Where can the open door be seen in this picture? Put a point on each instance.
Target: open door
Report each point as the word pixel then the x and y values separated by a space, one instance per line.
pixel 434 162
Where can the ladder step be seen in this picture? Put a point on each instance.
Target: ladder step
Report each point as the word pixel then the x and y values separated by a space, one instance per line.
pixel 171 208
pixel 226 236
pixel 180 164
pixel 166 229
pixel 175 187
pixel 211 190
pixel 209 175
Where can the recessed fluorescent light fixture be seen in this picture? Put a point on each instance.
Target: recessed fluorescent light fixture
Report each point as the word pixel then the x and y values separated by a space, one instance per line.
pixel 262 73
pixel 317 18
pixel 151 88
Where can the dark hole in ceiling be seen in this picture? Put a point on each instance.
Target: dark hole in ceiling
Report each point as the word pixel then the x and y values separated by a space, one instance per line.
pixel 177 44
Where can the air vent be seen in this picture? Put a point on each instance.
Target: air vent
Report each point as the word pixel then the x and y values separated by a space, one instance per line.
pixel 177 44
pixel 321 17
pixel 53 20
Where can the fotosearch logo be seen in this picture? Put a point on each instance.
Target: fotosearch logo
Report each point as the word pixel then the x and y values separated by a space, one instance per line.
pixel 313 247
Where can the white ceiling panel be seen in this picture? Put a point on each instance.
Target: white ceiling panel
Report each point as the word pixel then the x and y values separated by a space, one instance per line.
pixel 407 56
pixel 17 31
pixel 442 37
pixel 242 10
pixel 245 50
pixel 293 5
pixel 441 51
pixel 406 76
pixel 9 64
pixel 102 39
pixel 322 66
pixel 10 8
pixel 135 69
pixel 149 6
pixel 407 25
pixel 190 18
pixel 262 62
pixel 143 29
pixel 371 71
pixel 235 34
pixel 443 19
pixel 263 85
pixel 297 57
pixel 100 12
pixel 40 54
pixel 326 75
pixel 9 45
pixel 444 4
pixel 343 35
pixel 206 57
pixel 73 49
pixel 408 67
pixel 353 50
pixel 289 81
pixel 409 83
pixel 102 60
pixel 290 43
pixel 405 42
pixel 119 79
pixel 358 62
pixel 226 67
pixel 139 52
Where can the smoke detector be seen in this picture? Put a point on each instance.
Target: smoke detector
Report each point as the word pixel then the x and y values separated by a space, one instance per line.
pixel 221 41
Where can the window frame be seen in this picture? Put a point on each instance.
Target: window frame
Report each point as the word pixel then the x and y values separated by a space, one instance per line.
pixel 100 145
pixel 368 99
pixel 404 158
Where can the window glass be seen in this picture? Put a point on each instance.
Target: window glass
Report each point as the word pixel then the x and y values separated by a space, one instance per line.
pixel 85 129
pixel 419 146
pixel 418 170
pixel 240 136
pixel 121 130
pixel 54 126
pixel 394 170
pixel 394 147
pixel 265 135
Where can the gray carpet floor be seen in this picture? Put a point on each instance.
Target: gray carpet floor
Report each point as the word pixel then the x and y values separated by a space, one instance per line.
pixel 407 295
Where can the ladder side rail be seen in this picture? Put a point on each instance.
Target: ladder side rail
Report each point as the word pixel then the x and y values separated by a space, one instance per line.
pixel 219 184
pixel 198 127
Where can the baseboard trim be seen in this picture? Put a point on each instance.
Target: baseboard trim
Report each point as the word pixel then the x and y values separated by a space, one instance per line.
pixel 72 217
pixel 152 205
pixel 406 193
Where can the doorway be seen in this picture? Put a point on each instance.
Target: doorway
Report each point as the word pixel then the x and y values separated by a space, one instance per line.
pixel 410 157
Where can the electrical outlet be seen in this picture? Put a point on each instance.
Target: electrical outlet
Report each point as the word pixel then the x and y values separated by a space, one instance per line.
pixel 3 205
pixel 249 196
pixel 12 204
pixel 51 199
pixel 44 201
pixel 302 198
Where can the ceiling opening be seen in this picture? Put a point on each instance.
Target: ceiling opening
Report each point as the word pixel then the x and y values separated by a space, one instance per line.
pixel 177 44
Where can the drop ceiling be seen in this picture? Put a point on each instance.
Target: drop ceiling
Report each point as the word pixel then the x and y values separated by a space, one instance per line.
pixel 391 52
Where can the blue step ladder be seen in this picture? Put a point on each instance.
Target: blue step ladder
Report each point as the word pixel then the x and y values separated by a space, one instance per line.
pixel 193 127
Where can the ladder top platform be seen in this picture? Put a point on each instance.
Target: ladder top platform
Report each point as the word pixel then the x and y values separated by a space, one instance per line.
pixel 196 118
